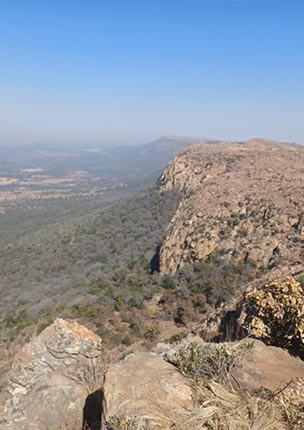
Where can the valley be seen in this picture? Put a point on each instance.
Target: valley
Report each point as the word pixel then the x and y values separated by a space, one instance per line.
pixel 154 257
pixel 34 177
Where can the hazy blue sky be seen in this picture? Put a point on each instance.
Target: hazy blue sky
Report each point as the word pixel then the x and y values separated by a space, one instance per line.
pixel 130 71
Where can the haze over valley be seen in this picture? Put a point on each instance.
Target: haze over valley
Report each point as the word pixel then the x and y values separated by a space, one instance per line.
pixel 151 215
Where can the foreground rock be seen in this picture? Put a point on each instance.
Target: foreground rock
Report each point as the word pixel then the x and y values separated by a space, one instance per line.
pixel 144 385
pixel 267 367
pixel 257 365
pixel 56 379
pixel 48 383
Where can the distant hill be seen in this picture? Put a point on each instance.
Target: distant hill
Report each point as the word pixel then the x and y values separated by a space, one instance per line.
pixel 77 176
pixel 162 150
pixel 94 158
pixel 148 157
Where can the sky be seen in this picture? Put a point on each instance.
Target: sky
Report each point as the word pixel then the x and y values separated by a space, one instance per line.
pixel 127 71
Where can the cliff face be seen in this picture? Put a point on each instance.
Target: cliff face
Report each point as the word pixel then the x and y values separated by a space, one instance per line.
pixel 241 201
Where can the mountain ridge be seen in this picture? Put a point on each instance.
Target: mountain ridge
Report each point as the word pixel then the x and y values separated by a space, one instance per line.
pixel 233 192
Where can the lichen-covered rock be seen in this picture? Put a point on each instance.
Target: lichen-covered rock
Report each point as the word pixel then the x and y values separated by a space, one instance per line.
pixel 144 385
pixel 275 314
pixel 48 385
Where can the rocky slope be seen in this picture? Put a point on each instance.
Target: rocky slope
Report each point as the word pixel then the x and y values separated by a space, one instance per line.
pixel 241 201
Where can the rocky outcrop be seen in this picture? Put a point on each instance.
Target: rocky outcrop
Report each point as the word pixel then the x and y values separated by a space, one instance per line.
pixel 254 366
pixel 273 313
pixel 51 378
pixel 144 385
pixel 242 201
pixel 56 382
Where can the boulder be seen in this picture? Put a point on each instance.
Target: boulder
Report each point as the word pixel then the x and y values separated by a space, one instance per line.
pixel 144 385
pixel 267 367
pixel 257 366
pixel 51 378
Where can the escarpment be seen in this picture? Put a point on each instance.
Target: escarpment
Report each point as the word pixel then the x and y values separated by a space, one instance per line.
pixel 242 202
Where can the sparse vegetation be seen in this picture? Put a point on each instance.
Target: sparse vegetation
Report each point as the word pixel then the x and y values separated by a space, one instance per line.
pixel 208 361
pixel 221 406
pixel 70 272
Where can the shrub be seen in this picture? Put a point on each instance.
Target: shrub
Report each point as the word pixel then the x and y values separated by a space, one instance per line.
pixel 204 361
pixel 168 283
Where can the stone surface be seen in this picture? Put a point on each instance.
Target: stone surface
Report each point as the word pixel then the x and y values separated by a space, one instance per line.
pixel 267 367
pixel 145 385
pixel 48 383
pixel 261 366
pixel 53 375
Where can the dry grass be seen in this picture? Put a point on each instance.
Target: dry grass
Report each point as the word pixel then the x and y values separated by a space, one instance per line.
pixel 92 374
pixel 128 423
pixel 218 405
pixel 291 400
pixel 222 408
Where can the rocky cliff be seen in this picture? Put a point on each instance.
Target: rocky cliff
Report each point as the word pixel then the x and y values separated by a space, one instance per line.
pixel 241 201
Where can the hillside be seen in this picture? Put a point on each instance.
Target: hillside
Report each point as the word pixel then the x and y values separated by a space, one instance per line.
pixel 236 220
pixel 77 261
pixel 242 203
pixel 69 250
pixel 183 256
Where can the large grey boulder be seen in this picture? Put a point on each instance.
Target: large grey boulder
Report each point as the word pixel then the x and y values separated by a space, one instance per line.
pixel 51 378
